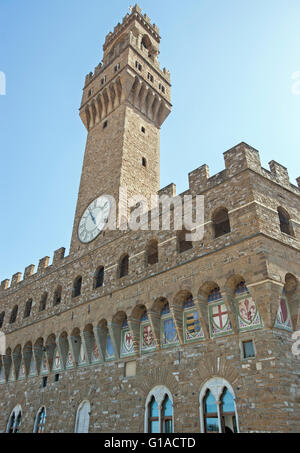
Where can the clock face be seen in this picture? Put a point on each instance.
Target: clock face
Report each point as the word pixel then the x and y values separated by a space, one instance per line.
pixel 94 219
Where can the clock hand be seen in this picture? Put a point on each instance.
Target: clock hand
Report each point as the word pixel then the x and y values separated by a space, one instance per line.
pixel 92 217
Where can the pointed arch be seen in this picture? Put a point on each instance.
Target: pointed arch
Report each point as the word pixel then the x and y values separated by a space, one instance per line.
pixel 77 284
pixel 159 413
pixel 82 421
pixel 14 314
pixel 124 266
pixel 285 221
pixel 40 421
pixel 14 421
pixel 218 412
pixel 99 277
pixel 28 308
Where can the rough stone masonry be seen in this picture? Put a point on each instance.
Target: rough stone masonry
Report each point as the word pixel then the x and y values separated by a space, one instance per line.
pixel 96 338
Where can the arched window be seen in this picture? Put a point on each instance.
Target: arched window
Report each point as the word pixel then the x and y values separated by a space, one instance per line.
pixel 43 302
pixel 124 266
pixel 285 222
pixel 14 314
pixel 2 315
pixel 214 294
pixel 218 412
pixel 83 418
pixel 99 277
pixel 211 418
pixel 183 244
pixel 167 416
pixel 77 287
pixel 159 411
pixel 152 252
pixel 57 296
pixel 28 307
pixel 228 415
pixel 221 222
pixel 14 421
pixel 153 425
pixel 40 421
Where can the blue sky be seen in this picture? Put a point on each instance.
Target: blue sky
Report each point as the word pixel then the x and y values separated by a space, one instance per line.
pixel 231 65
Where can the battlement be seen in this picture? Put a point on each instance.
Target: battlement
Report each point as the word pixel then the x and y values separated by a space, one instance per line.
pixel 237 159
pixel 136 14
pixel 127 33
pixel 29 274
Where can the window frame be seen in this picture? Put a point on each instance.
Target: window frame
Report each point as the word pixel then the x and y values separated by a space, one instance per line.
pixel 15 426
pixel 39 423
pixel 216 386
pixel 159 393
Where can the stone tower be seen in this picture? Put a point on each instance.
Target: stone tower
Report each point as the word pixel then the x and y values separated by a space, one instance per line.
pixel 124 103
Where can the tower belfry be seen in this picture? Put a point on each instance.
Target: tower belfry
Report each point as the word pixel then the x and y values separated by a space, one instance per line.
pixel 124 103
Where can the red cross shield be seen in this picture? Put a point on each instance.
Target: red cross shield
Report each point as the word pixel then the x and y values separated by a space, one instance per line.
pixel 220 316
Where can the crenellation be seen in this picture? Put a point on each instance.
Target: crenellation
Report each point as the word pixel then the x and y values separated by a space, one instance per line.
pixel 59 255
pixel 189 305
pixel 5 284
pixel 240 157
pixel 169 190
pixel 43 264
pixel 16 278
pixel 29 271
pixel 280 172
pixel 198 179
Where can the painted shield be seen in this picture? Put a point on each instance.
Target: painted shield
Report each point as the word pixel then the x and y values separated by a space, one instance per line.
pixel 247 310
pixel 148 336
pixel 57 360
pixel 220 316
pixel 69 359
pixel 283 311
pixel 22 370
pixel 128 341
pixel 95 353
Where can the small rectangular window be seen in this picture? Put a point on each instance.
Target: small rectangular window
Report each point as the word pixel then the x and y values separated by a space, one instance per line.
pixel 143 129
pixel 56 378
pixel 44 381
pixel 138 66
pixel 248 349
pixel 103 80
pixel 105 125
pixel 150 77
pixel 117 67
pixel 162 88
